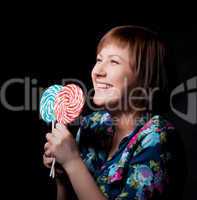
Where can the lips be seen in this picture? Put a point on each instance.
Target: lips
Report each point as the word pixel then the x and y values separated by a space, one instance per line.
pixel 102 85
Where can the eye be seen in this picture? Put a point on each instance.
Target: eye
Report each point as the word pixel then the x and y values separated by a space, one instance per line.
pixel 114 62
pixel 98 60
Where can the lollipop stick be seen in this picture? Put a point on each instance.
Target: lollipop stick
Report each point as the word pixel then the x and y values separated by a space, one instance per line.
pixel 52 172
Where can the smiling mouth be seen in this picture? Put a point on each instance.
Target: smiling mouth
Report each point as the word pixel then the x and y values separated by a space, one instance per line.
pixel 103 85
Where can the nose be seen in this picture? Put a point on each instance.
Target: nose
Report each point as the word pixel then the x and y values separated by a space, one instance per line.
pixel 99 70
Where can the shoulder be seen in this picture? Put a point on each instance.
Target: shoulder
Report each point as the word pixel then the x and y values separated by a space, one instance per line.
pixel 156 124
pixel 154 131
pixel 152 145
pixel 161 123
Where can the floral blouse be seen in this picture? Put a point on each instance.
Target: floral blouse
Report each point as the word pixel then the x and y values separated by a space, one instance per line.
pixel 139 169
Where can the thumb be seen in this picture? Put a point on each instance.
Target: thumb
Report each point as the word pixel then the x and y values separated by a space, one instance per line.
pixel 61 127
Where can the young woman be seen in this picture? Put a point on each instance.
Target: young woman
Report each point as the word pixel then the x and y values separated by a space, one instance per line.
pixel 124 150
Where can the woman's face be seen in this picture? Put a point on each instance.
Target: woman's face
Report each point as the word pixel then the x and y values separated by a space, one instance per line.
pixel 111 76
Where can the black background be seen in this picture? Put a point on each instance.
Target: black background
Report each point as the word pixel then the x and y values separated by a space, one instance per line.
pixel 48 45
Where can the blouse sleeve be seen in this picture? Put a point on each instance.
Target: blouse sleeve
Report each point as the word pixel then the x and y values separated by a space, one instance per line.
pixel 148 171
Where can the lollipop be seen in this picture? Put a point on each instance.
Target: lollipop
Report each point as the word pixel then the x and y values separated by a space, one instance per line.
pixel 69 103
pixel 47 103
pixel 47 107
pixel 67 107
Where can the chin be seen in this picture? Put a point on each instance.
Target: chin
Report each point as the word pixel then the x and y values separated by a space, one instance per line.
pixel 98 102
pixel 108 104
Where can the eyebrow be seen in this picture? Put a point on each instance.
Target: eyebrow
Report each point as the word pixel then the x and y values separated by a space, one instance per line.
pixel 112 55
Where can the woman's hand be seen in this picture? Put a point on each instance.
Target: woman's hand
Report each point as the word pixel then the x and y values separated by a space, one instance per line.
pixel 59 171
pixel 64 187
pixel 61 145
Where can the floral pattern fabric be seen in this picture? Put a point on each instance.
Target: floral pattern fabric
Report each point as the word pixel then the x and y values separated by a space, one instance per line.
pixel 139 169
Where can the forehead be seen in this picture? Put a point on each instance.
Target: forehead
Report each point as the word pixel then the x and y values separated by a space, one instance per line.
pixel 113 49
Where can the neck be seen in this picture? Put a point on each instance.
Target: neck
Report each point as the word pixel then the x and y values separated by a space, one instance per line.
pixel 124 122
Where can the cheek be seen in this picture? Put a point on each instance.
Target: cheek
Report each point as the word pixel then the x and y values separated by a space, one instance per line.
pixel 120 79
pixel 123 81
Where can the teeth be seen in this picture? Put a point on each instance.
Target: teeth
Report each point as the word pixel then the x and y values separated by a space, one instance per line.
pixel 103 86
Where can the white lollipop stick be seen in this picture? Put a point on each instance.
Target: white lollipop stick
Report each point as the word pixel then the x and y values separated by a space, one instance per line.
pixel 52 172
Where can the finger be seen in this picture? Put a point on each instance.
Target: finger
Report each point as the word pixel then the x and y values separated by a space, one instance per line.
pixel 62 130
pixel 57 135
pixel 48 157
pixel 48 154
pixel 55 132
pixel 46 146
pixel 47 161
pixel 61 127
pixel 49 137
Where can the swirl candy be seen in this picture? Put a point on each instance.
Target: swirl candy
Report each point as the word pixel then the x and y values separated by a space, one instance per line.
pixel 63 104
pixel 69 103
pixel 47 103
